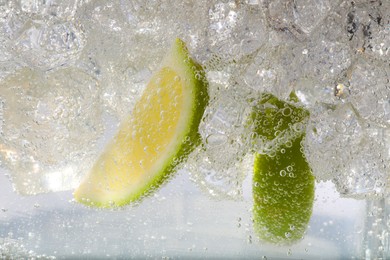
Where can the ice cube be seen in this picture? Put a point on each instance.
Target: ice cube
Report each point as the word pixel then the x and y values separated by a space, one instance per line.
pixel 41 33
pixel 236 29
pixel 160 22
pixel 218 166
pixel 312 67
pixel 309 14
pixel 368 28
pixel 51 122
pixel 343 147
pixel 54 8
pixel 369 91
pixel 49 46
pixel 265 73
pixel 298 18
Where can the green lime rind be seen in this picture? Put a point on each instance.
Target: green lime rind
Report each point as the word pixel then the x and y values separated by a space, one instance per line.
pixel 271 116
pixel 283 198
pixel 283 184
pixel 192 137
pixel 197 78
pixel 194 76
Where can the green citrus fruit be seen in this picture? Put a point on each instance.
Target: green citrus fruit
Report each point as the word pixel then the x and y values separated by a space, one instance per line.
pixel 283 184
pixel 161 131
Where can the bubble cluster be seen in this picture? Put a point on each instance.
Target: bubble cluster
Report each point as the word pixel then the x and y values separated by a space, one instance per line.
pixel 332 54
pixel 13 249
pixel 71 71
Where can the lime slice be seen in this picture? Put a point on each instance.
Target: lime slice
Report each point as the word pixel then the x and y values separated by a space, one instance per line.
pixel 283 184
pixel 161 131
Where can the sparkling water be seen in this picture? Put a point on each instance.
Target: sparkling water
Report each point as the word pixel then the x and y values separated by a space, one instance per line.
pixel 70 71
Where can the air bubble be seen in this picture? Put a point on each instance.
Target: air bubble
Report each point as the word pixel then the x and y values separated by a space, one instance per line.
pixel 287 111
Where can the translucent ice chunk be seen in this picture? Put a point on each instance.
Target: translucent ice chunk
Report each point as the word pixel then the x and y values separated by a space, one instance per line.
pixel 309 14
pixel 236 29
pixel 161 22
pixel 49 46
pixel 368 28
pixel 55 8
pixel 51 122
pixel 369 91
pixel 218 166
pixel 266 74
pixel 298 18
pixel 118 54
pixel 343 147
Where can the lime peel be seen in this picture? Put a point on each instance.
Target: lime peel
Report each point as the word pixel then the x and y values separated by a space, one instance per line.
pixel 155 139
pixel 283 184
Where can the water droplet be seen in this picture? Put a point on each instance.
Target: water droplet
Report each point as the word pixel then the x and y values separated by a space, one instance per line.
pixel 282 173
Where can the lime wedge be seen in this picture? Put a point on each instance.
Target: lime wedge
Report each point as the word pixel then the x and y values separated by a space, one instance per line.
pixel 283 184
pixel 161 131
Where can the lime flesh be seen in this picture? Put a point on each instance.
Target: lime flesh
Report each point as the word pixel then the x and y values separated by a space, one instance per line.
pixel 283 184
pixel 161 131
